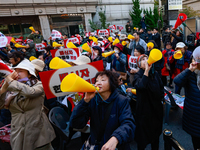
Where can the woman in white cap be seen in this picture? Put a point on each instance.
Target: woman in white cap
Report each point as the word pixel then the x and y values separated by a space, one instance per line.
pixel 30 128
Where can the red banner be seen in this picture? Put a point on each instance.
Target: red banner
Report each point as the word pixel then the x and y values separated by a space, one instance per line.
pixel 40 46
pixel 51 80
pixel 73 40
pixel 67 54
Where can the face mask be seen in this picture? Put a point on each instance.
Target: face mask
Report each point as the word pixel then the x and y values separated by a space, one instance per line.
pixel 116 51
pixel 127 42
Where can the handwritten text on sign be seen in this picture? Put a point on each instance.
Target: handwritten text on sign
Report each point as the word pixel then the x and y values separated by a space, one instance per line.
pixel 132 62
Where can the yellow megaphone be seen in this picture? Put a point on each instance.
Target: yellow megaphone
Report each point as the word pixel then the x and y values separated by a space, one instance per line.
pixel 108 53
pixel 32 29
pixel 55 44
pixel 74 83
pixel 110 39
pixel 124 43
pixel 71 45
pixel 86 48
pixel 178 55
pixel 19 46
pixel 116 41
pixel 90 37
pixel 150 44
pixel 13 40
pixel 131 37
pixel 95 40
pixel 133 91
pixel 32 58
pixel 154 56
pixel 57 63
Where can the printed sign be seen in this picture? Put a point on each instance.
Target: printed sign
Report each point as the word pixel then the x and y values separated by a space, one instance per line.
pixel 103 32
pixel 120 27
pixel 174 4
pixel 40 46
pixel 132 62
pixel 52 79
pixel 112 27
pixel 67 54
pixel 3 40
pixel 55 34
pixel 73 40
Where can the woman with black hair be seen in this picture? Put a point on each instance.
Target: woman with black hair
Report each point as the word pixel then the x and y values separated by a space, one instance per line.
pixel 15 58
pixel 177 36
pixel 119 129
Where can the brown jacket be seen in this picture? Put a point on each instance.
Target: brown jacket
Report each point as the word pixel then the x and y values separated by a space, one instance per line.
pixel 30 127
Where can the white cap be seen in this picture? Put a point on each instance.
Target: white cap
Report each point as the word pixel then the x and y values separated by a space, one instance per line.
pixel 26 65
pixel 82 60
pixel 180 45
pixel 196 54
pixel 38 64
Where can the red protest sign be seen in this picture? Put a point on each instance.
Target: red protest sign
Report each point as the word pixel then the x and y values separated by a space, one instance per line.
pixel 73 40
pixel 55 34
pixel 132 62
pixel 3 40
pixel 40 46
pixel 67 54
pixel 112 27
pixel 103 32
pixel 51 80
pixel 120 27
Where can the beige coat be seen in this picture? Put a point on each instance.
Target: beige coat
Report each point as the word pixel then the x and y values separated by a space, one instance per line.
pixel 30 127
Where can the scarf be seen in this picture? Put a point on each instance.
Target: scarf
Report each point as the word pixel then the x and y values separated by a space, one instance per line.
pixel 197 71
pixel 28 81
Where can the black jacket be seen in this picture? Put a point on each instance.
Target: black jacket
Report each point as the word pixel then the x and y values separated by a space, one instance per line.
pixel 156 38
pixel 176 40
pixel 149 108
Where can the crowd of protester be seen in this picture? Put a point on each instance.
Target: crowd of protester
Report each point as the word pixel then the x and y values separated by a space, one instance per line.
pixel 131 117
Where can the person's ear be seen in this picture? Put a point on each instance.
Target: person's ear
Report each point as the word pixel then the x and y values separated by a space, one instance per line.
pixel 18 59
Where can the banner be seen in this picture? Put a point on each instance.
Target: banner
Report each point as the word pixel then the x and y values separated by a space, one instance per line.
pixel 51 80
pixel 3 40
pixel 73 40
pixel 103 32
pixel 120 27
pixel 40 46
pixel 174 4
pixel 132 62
pixel 67 54
pixel 112 27
pixel 55 34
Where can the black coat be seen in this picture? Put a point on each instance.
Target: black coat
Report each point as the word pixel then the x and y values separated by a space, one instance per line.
pixel 191 111
pixel 176 40
pixel 149 109
pixel 156 38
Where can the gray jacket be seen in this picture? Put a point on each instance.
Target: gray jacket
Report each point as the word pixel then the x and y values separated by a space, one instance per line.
pixel 141 42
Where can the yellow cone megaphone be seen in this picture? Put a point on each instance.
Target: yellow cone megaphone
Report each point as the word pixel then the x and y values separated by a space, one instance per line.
pixel 110 39
pixel 131 37
pixel 133 91
pixel 86 48
pixel 150 44
pixel 124 43
pixel 55 44
pixel 116 41
pixel 32 29
pixel 74 83
pixel 13 40
pixel 108 53
pixel 154 56
pixel 71 45
pixel 90 37
pixel 32 58
pixel 57 63
pixel 19 46
pixel 178 55
pixel 95 40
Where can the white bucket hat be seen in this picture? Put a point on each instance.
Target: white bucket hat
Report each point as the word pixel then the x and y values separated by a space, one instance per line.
pixel 26 65
pixel 38 64
pixel 82 60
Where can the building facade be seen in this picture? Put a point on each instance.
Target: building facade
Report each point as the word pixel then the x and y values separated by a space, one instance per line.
pixel 66 16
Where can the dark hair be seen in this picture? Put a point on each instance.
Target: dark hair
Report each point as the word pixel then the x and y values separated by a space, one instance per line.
pixel 137 33
pixel 156 29
pixel 15 55
pixel 113 80
pixel 140 49
pixel 39 32
pixel 155 45
pixel 48 48
pixel 148 30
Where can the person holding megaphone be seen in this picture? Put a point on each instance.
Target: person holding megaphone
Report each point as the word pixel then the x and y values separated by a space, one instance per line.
pixel 149 108
pixel 36 36
pixel 180 63
pixel 111 121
